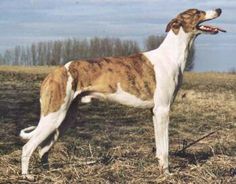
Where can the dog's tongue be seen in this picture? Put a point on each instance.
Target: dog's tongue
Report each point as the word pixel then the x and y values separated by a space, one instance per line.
pixel 212 28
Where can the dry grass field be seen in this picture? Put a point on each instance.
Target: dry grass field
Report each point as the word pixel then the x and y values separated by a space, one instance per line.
pixel 111 143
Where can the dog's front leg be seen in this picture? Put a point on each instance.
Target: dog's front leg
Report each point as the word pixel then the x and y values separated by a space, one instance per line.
pixel 161 123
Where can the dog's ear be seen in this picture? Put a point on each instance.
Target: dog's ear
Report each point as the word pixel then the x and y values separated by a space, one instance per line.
pixel 175 25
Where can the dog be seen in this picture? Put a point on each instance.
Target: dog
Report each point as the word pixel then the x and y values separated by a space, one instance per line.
pixel 145 80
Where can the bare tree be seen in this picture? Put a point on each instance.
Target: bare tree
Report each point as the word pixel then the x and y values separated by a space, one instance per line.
pixel 28 56
pixel 56 53
pixel 41 54
pixel 33 54
pixel 60 52
pixel 1 60
pixel 153 42
pixel 232 70
pixel 23 60
pixel 17 55
pixel 8 59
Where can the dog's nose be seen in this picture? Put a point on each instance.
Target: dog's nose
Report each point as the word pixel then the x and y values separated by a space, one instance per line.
pixel 219 11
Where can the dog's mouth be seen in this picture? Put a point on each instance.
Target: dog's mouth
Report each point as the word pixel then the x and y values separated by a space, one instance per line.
pixel 210 29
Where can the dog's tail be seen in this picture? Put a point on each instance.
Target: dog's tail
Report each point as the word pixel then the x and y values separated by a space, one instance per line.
pixel 25 134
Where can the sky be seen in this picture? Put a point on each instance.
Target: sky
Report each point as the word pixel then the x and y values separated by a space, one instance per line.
pixel 23 22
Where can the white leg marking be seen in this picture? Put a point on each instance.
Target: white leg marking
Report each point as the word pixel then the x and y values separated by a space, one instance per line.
pixel 161 124
pixel 46 126
pixel 41 133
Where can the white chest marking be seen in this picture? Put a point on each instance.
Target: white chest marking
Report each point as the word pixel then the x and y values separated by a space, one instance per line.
pixel 169 62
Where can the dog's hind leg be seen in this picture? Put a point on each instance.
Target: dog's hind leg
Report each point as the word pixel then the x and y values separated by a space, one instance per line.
pixel 56 96
pixel 46 145
pixel 46 127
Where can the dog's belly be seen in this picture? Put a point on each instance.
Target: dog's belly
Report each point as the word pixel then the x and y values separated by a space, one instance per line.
pixel 120 96
pixel 125 98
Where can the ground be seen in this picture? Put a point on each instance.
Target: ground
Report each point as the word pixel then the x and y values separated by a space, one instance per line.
pixel 111 143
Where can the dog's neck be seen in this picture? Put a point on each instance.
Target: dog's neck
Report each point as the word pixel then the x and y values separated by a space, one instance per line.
pixel 178 46
pixel 175 47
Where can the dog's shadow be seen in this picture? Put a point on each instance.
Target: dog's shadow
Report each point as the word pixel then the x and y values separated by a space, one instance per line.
pixel 186 158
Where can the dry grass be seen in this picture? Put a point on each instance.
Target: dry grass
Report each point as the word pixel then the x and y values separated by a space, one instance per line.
pixel 120 139
pixel 27 69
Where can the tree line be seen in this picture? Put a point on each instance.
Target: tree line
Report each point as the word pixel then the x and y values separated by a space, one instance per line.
pixel 61 51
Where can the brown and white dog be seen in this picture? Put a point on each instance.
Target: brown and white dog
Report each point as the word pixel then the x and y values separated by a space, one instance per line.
pixel 146 80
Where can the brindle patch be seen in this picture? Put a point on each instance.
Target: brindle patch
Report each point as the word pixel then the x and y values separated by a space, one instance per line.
pixel 53 91
pixel 110 70
pixel 134 73
pixel 74 75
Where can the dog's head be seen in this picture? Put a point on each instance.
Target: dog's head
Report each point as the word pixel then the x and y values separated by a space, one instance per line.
pixel 191 19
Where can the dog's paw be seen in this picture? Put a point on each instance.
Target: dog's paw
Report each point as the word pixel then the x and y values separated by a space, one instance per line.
pixel 167 172
pixel 28 177
pixel 164 171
